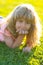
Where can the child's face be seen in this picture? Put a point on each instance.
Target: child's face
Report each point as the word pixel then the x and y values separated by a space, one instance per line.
pixel 22 26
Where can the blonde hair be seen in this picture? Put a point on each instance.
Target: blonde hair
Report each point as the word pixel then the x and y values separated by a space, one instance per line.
pixel 27 12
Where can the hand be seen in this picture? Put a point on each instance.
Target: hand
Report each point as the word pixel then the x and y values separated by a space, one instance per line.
pixel 23 32
pixel 27 49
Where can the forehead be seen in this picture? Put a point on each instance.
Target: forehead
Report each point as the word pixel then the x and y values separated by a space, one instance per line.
pixel 20 19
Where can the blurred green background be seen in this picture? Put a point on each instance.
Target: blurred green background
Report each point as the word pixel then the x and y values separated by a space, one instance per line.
pixel 16 56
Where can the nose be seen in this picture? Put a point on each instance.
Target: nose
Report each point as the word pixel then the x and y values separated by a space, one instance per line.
pixel 23 25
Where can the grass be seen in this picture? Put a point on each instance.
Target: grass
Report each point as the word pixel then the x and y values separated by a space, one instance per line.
pixel 15 56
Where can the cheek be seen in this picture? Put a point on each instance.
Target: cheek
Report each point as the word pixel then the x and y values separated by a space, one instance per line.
pixel 18 25
pixel 28 26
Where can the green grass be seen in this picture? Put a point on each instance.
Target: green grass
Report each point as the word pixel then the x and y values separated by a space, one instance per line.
pixel 15 56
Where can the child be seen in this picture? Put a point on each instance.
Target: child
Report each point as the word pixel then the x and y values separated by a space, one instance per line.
pixel 22 21
pixel 27 23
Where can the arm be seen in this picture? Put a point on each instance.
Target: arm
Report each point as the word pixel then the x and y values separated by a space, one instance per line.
pixel 18 41
pixel 13 43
